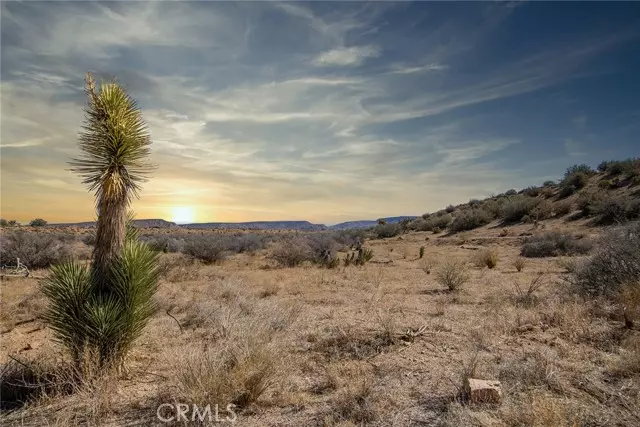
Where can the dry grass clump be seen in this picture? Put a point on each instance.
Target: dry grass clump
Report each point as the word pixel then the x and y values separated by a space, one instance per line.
pixel 348 343
pixel 541 409
pixel 452 274
pixel 176 268
pixel 269 290
pixel 519 264
pixel 527 295
pixel 533 369
pixel 486 258
pixel 353 401
pixel 235 372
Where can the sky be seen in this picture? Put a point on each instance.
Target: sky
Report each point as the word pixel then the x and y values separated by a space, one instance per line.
pixel 319 111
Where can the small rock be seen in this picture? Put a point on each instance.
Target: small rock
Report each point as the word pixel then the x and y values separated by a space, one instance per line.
pixel 483 391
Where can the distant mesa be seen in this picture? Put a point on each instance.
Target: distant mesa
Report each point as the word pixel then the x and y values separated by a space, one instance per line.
pixel 261 225
pixel 139 223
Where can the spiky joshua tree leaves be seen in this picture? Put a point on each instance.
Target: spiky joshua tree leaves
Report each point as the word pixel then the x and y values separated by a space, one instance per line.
pixel 97 312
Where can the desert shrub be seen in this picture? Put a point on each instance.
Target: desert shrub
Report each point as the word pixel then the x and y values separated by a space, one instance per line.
pixel 566 191
pixel 474 202
pixel 209 249
pixel 629 166
pixel 511 192
pixel 548 183
pixel 517 207
pixel 519 264
pixel 470 219
pixel 35 250
pixel 615 262
pixel 554 244
pixel 246 243
pixel 531 191
pixel 291 252
pixel 486 258
pixel 384 230
pixel 562 208
pixel 349 238
pixel 493 207
pixel 421 254
pixel 38 222
pixel 452 274
pixel 543 210
pixel 435 222
pixel 323 249
pixel 575 169
pixel 3 222
pixel 89 239
pixel 450 209
pixel 578 180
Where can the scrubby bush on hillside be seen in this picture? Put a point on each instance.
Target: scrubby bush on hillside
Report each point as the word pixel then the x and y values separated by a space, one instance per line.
pixel 35 250
pixel 38 222
pixel 554 244
pixel 531 191
pixel 450 209
pixel 549 183
pixel 615 263
pixel 493 206
pixel 566 191
pixel 629 167
pixel 349 238
pixel 431 223
pixel 543 210
pixel 383 231
pixel 470 219
pixel 581 168
pixel 562 208
pixel 511 192
pixel 516 207
pixel 608 209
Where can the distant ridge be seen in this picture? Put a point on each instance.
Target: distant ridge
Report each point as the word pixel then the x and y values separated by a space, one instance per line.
pixel 260 225
pixel 251 225
pixel 366 223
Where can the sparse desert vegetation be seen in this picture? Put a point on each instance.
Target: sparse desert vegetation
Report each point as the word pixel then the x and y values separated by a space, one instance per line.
pixel 329 328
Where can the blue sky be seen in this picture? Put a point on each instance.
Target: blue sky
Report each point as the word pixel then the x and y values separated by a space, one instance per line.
pixel 321 111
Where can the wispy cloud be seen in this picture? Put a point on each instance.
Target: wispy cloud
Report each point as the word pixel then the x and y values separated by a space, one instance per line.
pixel 346 56
pixel 265 110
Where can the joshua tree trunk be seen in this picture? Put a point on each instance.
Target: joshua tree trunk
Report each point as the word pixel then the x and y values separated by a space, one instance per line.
pixel 110 237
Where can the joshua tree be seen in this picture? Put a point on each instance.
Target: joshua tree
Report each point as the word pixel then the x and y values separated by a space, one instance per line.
pixel 100 311
pixel 115 146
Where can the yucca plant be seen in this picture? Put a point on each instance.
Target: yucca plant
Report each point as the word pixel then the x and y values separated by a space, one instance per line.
pixel 99 311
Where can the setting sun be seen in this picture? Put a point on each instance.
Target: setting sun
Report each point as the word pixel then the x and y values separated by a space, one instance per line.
pixel 182 214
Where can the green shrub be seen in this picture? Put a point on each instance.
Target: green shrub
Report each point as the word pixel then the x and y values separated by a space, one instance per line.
pixel 450 209
pixel 421 254
pixel 549 183
pixel 470 219
pixel 360 257
pixel 543 210
pixel 511 192
pixel 577 180
pixel 532 191
pixel 516 207
pixel 38 222
pixel 615 263
pixel 4 222
pixel 554 244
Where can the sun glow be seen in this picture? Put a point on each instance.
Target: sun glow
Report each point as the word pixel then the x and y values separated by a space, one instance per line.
pixel 182 214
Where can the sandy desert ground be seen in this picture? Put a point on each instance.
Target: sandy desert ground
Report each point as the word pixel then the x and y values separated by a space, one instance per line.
pixel 382 344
